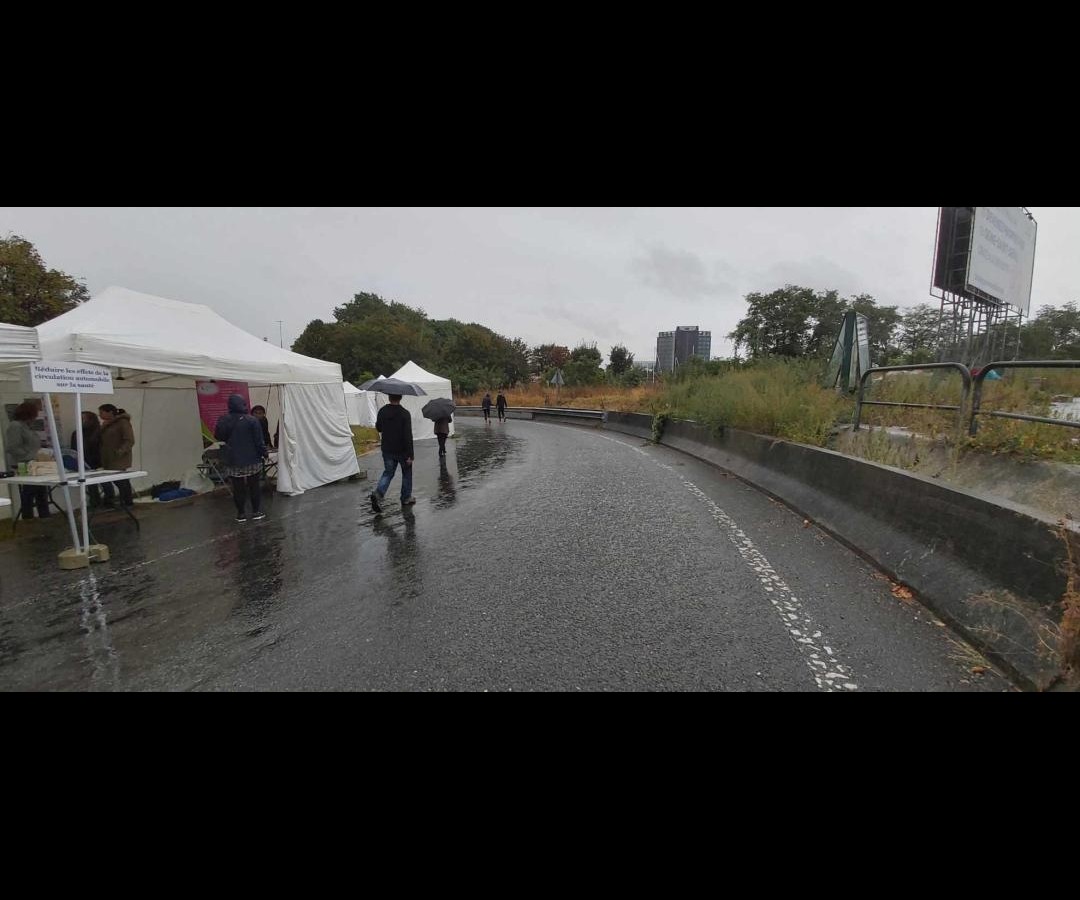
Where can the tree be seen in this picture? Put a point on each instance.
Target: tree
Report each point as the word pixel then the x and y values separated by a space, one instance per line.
pixel 548 356
pixel 371 334
pixel 919 333
pixel 791 321
pixel 584 365
pixel 1053 334
pixel 29 293
pixel 620 360
pixel 798 321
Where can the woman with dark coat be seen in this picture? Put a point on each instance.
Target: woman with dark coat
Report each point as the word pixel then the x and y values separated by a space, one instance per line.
pixel 245 451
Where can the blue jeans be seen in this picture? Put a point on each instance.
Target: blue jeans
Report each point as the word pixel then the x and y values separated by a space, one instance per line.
pixel 390 464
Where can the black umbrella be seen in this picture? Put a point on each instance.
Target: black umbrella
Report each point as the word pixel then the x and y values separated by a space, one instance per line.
pixel 439 408
pixel 393 386
pixel 366 386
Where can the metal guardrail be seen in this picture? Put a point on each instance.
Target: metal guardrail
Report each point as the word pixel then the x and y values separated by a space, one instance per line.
pixel 976 398
pixel 965 373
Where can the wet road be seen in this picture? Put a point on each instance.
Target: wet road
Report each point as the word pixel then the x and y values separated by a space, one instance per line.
pixel 538 557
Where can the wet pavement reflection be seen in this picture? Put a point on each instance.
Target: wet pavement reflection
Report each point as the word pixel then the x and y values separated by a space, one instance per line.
pixel 194 597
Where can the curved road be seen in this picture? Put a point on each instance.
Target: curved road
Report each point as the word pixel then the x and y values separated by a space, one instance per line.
pixel 539 557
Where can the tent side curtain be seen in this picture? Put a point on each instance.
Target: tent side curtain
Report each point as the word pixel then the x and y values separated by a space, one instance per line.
pixel 18 344
pixel 315 445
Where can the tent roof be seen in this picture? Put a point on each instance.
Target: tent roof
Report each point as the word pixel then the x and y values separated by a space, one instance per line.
pixel 18 344
pixel 351 388
pixel 129 330
pixel 412 372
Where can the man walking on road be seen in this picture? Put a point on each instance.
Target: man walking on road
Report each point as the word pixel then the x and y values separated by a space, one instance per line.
pixel 395 425
pixel 500 406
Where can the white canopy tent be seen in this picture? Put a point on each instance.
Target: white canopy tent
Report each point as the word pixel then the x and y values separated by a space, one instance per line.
pixel 158 347
pixel 434 386
pixel 361 406
pixel 18 346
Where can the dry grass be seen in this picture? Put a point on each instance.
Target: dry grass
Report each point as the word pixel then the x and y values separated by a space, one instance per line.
pixel 601 396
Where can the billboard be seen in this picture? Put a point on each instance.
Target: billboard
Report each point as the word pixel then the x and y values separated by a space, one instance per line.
pixel 1002 257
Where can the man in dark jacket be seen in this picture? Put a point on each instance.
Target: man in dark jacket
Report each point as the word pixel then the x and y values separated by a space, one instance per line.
pixel 244 455
pixel 395 425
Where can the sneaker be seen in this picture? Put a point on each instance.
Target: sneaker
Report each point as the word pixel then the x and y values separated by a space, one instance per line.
pixel 259 516
pixel 375 504
pixel 241 519
pixel 411 501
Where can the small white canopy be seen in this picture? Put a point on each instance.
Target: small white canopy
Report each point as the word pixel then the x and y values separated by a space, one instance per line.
pixel 434 386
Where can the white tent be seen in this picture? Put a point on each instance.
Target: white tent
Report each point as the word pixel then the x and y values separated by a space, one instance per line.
pixel 157 347
pixel 361 406
pixel 18 345
pixel 434 386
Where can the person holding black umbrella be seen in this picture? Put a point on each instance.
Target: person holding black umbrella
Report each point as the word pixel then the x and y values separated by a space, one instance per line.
pixel 441 412
pixel 395 425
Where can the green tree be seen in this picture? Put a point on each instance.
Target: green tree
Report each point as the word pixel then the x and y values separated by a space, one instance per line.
pixel 548 356
pixel 620 360
pixel 1053 334
pixel 29 292
pixel 918 333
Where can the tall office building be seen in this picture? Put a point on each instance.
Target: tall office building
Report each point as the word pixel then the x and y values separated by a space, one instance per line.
pixel 674 348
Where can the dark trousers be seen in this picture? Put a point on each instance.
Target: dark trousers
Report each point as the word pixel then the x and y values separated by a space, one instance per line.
pixel 246 488
pixel 33 496
pixel 487 413
pixel 442 444
pixel 125 491
pixel 502 413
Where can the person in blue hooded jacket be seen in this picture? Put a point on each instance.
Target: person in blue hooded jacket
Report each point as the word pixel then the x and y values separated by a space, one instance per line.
pixel 244 454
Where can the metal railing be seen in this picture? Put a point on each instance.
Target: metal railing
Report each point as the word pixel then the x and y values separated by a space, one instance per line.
pixel 965 373
pixel 976 397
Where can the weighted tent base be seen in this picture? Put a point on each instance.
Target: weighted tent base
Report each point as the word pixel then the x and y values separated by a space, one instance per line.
pixel 69 559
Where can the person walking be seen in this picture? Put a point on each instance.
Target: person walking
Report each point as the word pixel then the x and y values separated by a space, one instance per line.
pixel 442 432
pixel 395 425
pixel 486 406
pixel 500 405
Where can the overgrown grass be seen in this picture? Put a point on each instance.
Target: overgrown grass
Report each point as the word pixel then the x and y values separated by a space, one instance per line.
pixel 1020 390
pixel 601 396
pixel 784 398
pixel 363 438
pixel 776 397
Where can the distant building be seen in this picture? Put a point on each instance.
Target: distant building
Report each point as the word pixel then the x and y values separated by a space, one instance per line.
pixel 674 348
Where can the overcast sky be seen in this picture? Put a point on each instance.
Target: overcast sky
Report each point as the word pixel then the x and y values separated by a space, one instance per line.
pixel 544 274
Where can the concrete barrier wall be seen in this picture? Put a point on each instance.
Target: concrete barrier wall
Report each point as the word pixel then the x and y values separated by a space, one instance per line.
pixel 995 572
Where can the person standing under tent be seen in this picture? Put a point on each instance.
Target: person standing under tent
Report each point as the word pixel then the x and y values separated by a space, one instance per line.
pixel 21 445
pixel 259 412
pixel 117 442
pixel 91 431
pixel 244 455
